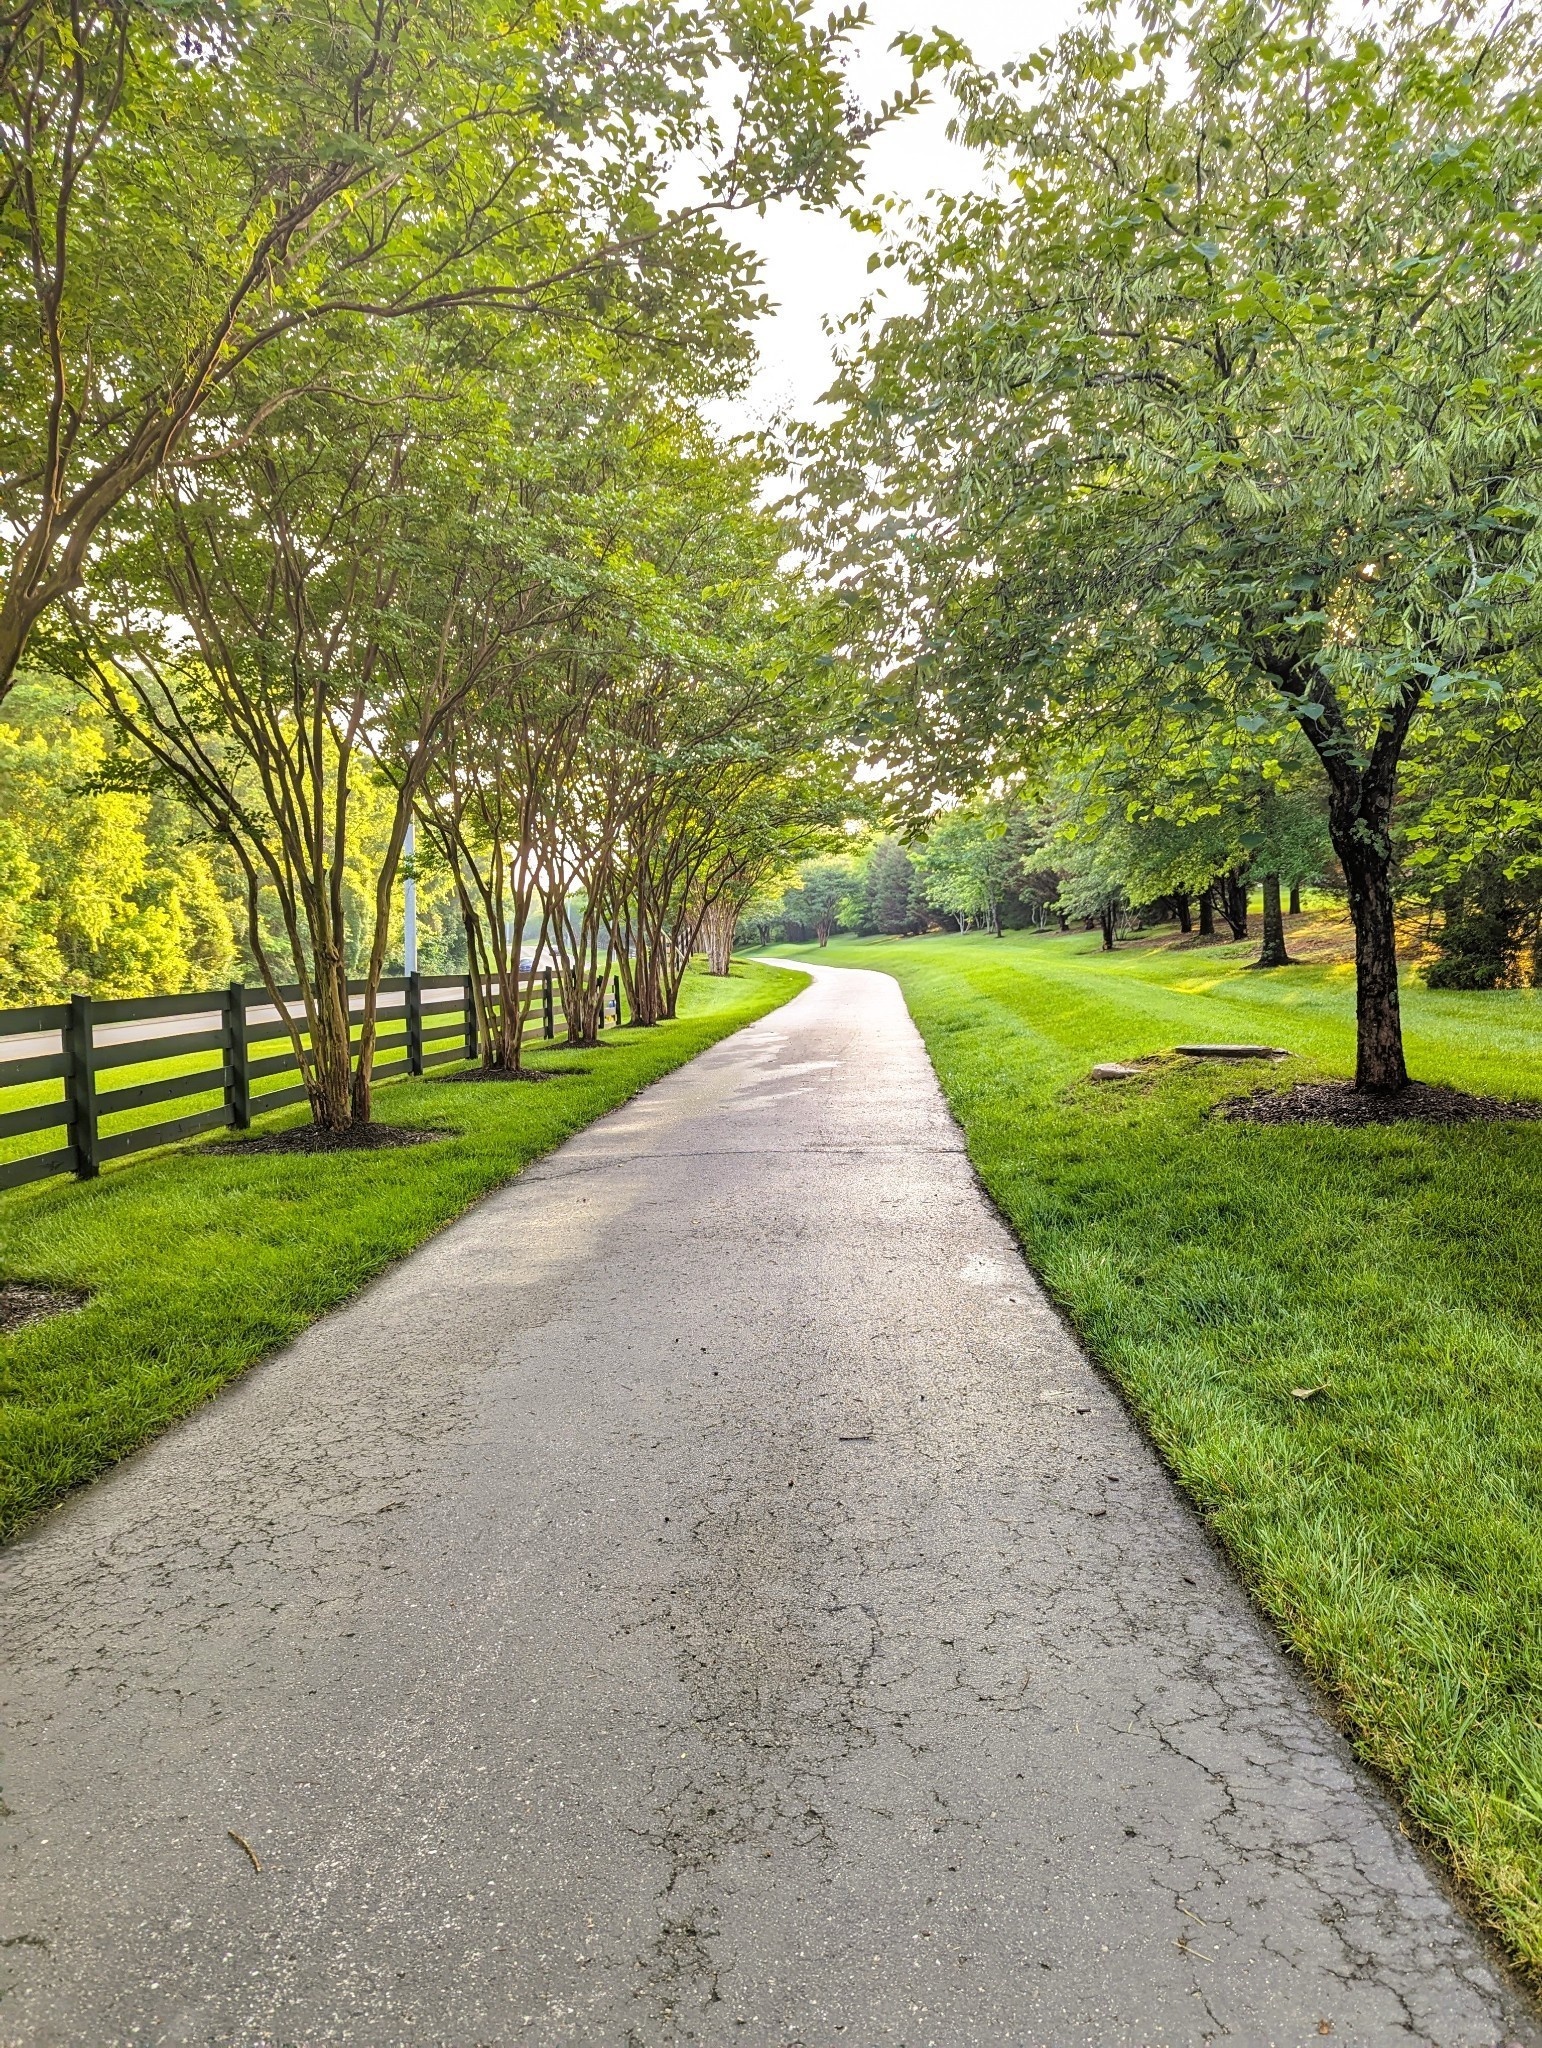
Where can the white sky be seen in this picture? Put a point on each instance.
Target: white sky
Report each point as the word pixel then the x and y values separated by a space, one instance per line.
pixel 815 265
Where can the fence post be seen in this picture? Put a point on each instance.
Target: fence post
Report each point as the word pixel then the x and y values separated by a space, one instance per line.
pixel 238 1079
pixel 80 1087
pixel 548 1014
pixel 414 1023
pixel 471 1018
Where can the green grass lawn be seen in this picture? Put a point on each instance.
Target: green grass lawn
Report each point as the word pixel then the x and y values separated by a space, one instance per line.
pixel 200 1258
pixel 1392 1525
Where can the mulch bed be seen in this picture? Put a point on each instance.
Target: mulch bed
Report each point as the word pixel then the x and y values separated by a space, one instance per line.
pixel 23 1302
pixel 511 1074
pixel 1337 1102
pixel 359 1138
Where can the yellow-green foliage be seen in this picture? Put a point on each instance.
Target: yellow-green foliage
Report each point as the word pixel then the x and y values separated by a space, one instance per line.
pixel 101 888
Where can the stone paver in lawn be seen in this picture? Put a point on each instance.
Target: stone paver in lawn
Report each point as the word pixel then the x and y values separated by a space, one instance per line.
pixel 703 1596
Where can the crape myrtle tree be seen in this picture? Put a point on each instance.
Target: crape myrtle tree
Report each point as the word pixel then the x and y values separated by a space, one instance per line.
pixel 325 557
pixel 696 750
pixel 822 896
pixel 776 821
pixel 508 754
pixel 344 585
pixel 721 701
pixel 1223 396
pixel 633 770
pixel 188 189
pixel 500 795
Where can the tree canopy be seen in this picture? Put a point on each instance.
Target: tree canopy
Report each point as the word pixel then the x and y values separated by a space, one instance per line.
pixel 1222 405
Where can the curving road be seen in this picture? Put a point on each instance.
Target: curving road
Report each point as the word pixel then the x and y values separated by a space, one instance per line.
pixel 703 1596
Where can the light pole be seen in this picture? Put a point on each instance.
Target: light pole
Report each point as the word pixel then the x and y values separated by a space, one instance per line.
pixel 410 903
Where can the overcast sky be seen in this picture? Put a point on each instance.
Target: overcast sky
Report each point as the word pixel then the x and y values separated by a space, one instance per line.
pixel 815 265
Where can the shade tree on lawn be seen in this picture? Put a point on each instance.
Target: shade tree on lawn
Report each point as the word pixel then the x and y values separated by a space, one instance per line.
pixel 1221 398
pixel 1472 837
pixel 1188 811
pixel 822 897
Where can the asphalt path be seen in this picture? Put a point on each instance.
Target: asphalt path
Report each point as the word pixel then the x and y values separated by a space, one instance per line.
pixel 703 1596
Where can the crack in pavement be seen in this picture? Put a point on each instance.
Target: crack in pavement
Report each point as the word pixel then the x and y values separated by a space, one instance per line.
pixel 703 1596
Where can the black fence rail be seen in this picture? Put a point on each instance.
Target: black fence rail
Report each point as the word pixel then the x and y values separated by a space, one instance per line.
pixel 422 1021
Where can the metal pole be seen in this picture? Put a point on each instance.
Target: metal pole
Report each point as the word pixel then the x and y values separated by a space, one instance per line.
pixel 410 902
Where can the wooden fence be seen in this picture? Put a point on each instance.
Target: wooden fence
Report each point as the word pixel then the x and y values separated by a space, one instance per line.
pixel 423 1021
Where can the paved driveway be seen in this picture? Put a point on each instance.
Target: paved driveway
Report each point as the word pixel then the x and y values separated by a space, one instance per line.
pixel 703 1596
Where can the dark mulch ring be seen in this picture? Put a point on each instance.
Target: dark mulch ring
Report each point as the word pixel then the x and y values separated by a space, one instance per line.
pixel 512 1074
pixel 26 1301
pixel 1337 1102
pixel 358 1138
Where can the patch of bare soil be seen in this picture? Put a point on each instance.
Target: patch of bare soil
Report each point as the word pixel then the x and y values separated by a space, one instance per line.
pixel 1338 1103
pixel 358 1138
pixel 513 1074
pixel 25 1301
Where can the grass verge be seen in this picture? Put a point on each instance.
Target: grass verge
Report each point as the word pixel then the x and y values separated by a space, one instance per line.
pixel 1391 1524
pixel 203 1257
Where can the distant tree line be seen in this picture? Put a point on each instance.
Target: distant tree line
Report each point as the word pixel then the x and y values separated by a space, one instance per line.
pixel 1020 863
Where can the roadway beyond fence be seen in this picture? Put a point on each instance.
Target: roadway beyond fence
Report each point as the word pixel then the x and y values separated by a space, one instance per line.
pixel 55 1053
pixel 704 1596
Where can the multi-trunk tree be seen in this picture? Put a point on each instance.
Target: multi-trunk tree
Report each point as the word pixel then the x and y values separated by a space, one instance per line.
pixel 313 617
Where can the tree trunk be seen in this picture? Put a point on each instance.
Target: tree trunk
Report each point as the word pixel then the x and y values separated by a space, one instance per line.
pixel 1065 922
pixel 1295 899
pixel 1366 856
pixel 1361 787
pixel 1185 914
pixel 1207 912
pixel 1274 953
pixel 329 1075
pixel 718 924
pixel 1234 902
pixel 1108 918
